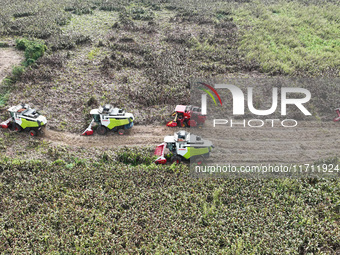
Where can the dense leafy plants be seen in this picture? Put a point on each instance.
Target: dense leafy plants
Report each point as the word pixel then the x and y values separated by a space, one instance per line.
pixel 33 49
pixel 291 38
pixel 135 156
pixel 107 206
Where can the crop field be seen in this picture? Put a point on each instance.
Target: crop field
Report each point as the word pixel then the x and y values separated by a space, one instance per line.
pixel 63 193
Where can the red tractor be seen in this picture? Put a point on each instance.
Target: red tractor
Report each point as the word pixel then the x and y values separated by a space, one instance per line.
pixel 187 116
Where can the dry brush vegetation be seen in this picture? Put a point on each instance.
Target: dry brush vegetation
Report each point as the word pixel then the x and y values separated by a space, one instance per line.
pixel 142 56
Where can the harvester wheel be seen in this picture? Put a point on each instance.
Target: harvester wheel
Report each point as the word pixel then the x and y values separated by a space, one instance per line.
pixel 176 159
pixel 101 130
pixel 199 160
pixel 121 131
pixel 16 127
pixel 33 133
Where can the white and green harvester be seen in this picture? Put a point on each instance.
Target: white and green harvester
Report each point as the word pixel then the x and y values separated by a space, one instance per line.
pixel 109 118
pixel 24 118
pixel 183 146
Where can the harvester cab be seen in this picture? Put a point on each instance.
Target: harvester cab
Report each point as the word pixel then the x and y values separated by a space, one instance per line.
pixel 183 146
pixel 187 116
pixel 109 118
pixel 22 117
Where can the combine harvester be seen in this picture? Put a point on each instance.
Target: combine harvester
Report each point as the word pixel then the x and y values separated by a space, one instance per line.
pixel 110 118
pixel 25 118
pixel 183 146
pixel 338 113
pixel 187 116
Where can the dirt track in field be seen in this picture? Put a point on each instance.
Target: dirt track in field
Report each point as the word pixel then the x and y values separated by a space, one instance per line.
pixel 306 143
pixel 8 58
pixel 137 136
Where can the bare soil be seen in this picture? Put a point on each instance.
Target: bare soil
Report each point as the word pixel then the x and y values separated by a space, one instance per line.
pixel 137 136
pixel 8 58
pixel 307 143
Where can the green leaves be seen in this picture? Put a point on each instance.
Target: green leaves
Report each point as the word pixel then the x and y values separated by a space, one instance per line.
pixel 33 49
pixel 135 156
pixel 291 38
pixel 75 207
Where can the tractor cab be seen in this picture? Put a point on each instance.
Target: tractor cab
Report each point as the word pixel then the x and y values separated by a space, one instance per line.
pixel 110 110
pixel 106 109
pixel 14 111
pixel 31 113
pixel 187 116
pixel 181 136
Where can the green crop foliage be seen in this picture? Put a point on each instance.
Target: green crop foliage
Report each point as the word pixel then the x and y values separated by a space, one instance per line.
pixel 5 89
pixel 33 49
pixel 74 206
pixel 3 99
pixel 138 12
pixel 17 72
pixel 135 156
pixel 4 45
pixel 290 38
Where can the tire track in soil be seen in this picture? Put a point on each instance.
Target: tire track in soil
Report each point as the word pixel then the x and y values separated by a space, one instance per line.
pixel 307 143
pixel 137 136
